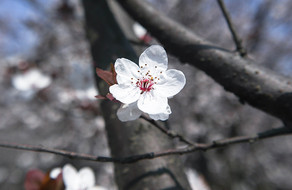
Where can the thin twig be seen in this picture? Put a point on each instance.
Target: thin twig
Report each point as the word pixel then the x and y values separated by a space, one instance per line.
pixel 139 43
pixel 170 133
pixel 151 155
pixel 235 37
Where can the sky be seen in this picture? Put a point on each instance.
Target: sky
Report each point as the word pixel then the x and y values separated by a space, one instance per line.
pixel 16 36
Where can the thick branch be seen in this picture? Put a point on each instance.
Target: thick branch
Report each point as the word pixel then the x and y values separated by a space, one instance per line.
pixel 152 155
pixel 235 37
pixel 260 87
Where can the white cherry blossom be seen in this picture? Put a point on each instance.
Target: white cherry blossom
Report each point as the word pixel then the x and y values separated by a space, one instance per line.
pixel 147 87
pixel 84 179
pixel 32 80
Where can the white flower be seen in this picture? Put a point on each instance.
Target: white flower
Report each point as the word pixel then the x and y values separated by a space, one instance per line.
pixel 147 87
pixel 82 180
pixel 55 173
pixel 31 80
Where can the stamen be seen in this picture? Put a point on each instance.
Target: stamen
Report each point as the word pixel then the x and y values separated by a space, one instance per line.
pixel 145 85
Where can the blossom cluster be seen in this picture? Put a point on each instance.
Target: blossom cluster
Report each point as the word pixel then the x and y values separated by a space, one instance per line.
pixel 66 178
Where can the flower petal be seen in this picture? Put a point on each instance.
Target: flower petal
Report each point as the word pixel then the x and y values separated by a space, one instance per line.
pixel 87 178
pixel 155 57
pixel 129 112
pixel 70 177
pixel 151 104
pixel 161 116
pixel 55 172
pixel 125 93
pixel 126 70
pixel 171 82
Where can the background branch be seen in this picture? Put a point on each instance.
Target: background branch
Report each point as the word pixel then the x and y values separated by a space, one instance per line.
pixel 236 39
pixel 252 83
pixel 151 155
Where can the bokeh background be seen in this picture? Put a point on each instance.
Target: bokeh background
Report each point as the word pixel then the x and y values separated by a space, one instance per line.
pixel 47 92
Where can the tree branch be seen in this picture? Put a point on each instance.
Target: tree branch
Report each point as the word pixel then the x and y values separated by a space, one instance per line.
pixel 151 155
pixel 236 39
pixel 171 134
pixel 252 83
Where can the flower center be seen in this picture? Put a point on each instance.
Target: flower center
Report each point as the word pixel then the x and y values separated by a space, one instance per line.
pixel 145 85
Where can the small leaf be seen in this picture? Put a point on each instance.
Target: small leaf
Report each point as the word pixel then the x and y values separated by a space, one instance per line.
pixel 55 184
pixel 100 97
pixel 110 96
pixel 33 180
pixel 114 73
pixel 108 76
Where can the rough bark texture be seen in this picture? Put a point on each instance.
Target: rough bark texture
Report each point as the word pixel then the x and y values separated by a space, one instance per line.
pixel 130 138
pixel 260 87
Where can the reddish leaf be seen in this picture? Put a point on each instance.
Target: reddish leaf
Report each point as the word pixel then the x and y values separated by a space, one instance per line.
pixel 110 96
pixel 114 74
pixel 52 184
pixel 33 180
pixel 37 180
pixel 108 76
pixel 146 38
pixel 100 97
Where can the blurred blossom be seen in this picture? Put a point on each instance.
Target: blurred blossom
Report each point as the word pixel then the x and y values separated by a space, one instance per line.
pixel 141 32
pixel 67 178
pixel 30 82
pixel 196 181
pixel 88 94
pixel 55 172
pixel 83 179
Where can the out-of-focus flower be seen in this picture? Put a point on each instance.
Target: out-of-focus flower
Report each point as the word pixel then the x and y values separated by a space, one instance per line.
pixel 31 82
pixel 197 182
pixel 141 33
pixel 147 87
pixel 55 173
pixel 38 180
pixel 67 178
pixel 83 179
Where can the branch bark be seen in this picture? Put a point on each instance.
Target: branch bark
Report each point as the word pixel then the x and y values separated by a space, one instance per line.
pixel 131 138
pixel 151 155
pixel 252 83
